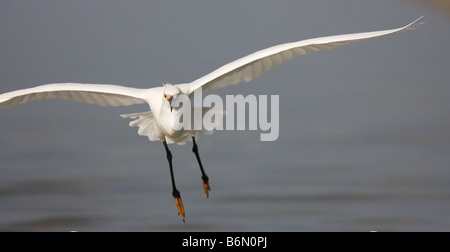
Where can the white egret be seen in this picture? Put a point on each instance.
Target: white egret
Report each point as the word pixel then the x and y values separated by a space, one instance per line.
pixel 157 124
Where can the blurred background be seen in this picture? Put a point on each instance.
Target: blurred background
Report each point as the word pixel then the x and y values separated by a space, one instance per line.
pixel 364 129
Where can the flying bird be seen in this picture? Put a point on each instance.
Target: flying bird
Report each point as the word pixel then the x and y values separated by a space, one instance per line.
pixel 157 123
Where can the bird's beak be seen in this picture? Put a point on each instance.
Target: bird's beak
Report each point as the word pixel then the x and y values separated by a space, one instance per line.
pixel 170 102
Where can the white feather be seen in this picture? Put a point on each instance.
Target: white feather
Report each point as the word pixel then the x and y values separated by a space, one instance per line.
pixel 101 94
pixel 253 65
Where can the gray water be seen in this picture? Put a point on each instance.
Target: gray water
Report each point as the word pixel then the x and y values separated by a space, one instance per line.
pixel 364 129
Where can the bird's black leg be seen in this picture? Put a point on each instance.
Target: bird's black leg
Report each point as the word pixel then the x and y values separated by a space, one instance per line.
pixel 175 193
pixel 205 178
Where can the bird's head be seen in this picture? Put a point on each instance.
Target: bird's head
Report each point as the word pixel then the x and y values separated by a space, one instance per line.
pixel 171 94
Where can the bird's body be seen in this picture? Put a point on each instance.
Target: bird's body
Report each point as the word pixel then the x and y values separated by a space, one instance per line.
pixel 162 120
pixel 167 119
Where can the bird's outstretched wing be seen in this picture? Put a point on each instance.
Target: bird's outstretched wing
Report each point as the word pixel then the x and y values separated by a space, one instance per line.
pixel 101 94
pixel 253 65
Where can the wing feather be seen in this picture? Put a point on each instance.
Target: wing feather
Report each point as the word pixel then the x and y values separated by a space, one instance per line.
pixel 101 94
pixel 253 65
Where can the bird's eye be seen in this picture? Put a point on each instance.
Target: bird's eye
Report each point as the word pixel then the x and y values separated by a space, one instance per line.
pixel 165 96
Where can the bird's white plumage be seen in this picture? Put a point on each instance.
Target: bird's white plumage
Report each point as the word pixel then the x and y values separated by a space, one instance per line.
pixel 145 121
pixel 101 94
pixel 156 123
pixel 253 65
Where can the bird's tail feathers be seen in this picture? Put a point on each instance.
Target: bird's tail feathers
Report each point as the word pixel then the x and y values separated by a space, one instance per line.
pixel 145 122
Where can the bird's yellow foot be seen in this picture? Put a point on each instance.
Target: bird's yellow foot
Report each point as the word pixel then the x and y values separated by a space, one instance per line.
pixel 206 188
pixel 180 207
